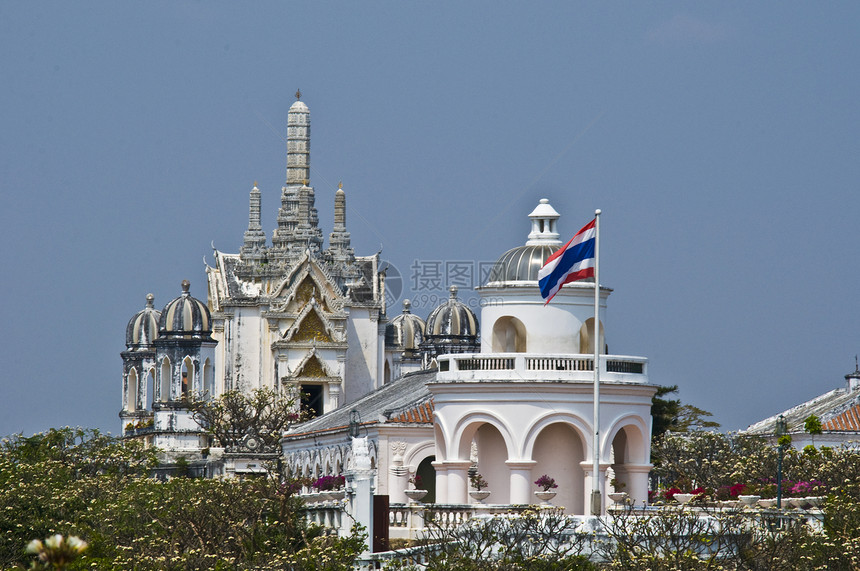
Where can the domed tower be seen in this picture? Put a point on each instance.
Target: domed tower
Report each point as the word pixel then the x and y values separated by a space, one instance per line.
pixel 403 338
pixel 514 314
pixel 138 365
pixel 451 328
pixel 185 359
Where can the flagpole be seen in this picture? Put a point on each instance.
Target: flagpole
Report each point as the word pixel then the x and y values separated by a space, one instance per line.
pixel 595 477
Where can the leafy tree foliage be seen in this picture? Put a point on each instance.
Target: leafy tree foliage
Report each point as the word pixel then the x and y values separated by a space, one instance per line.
pixel 671 415
pixel 81 483
pixel 537 540
pixel 230 418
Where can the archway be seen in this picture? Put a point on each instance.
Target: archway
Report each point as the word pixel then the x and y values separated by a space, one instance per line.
pixel 164 385
pixel 586 337
pixel 629 463
pixel 558 451
pixel 131 391
pixel 492 453
pixel 428 479
pixel 509 335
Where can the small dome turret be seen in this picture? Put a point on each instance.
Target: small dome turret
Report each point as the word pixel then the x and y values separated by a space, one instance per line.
pixel 406 331
pixel 522 264
pixel 142 329
pixel 452 322
pixel 185 316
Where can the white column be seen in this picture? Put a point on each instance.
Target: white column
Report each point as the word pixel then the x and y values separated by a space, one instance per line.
pixel 441 482
pixel 636 476
pixel 398 480
pixel 521 475
pixel 588 469
pixel 458 481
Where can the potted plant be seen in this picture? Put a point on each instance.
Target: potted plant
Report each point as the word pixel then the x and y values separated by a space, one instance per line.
pixel 479 483
pixel 330 487
pixel 547 484
pixel 416 493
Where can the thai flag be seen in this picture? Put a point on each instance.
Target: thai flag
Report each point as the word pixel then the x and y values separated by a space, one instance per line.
pixel 573 261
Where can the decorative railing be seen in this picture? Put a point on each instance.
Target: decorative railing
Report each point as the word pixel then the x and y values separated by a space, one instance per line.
pixel 534 366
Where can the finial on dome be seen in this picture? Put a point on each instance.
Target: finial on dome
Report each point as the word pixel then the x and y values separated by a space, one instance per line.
pixel 305 181
pixel 453 289
pixel 340 185
pixel 149 299
pixel 298 94
pixel 407 305
pixel 186 285
pixel 255 185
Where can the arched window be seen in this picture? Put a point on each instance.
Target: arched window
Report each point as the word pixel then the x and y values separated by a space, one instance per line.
pixel 586 339
pixel 149 397
pixel 208 379
pixel 164 392
pixel 187 377
pixel 509 335
pixel 131 391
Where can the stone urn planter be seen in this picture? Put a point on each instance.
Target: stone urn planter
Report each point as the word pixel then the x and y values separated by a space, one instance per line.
pixel 479 495
pixel 415 495
pixel 748 501
pixel 767 503
pixel 620 498
pixel 684 498
pixel 545 496
pixel 334 494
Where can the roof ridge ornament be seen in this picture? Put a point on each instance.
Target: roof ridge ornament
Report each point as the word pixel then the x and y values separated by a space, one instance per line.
pixel 298 94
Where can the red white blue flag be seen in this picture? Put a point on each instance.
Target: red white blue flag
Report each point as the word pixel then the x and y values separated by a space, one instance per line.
pixel 573 261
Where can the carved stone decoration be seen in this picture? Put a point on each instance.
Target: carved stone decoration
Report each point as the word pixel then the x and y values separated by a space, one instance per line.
pixel 398 450
pixel 360 454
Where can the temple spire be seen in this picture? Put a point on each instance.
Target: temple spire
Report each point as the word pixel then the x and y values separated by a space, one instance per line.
pixel 340 249
pixel 298 228
pixel 254 245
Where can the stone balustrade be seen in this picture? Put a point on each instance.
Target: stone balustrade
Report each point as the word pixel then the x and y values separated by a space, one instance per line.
pixel 541 367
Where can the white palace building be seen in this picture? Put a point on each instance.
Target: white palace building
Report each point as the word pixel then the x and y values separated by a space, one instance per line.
pixel 433 397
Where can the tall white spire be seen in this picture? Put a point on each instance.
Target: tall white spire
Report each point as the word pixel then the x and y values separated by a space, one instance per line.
pixel 298 228
pixel 298 143
pixel 339 242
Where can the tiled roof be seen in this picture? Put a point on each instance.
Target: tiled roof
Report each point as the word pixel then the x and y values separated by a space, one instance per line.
pixel 848 421
pixel 423 413
pixel 829 408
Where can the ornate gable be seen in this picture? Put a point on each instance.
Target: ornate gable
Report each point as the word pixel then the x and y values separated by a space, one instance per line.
pixel 312 325
pixel 307 280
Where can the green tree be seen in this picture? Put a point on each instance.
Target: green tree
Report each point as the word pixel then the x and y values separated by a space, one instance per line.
pixel 672 415
pixel 235 416
pixel 812 425
pixel 80 483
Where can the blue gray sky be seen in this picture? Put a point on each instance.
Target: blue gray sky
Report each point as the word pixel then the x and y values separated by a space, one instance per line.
pixel 719 139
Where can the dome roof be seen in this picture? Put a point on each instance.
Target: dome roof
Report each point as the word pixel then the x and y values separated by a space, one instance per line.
pixel 142 329
pixel 521 263
pixel 407 329
pixel 453 320
pixel 185 316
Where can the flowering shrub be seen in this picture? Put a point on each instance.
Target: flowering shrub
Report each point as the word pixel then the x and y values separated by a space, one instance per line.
pixel 801 489
pixel 546 483
pixel 76 482
pixel 329 483
pixel 669 494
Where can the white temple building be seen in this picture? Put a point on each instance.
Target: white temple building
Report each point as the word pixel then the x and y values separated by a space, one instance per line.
pixel 434 398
